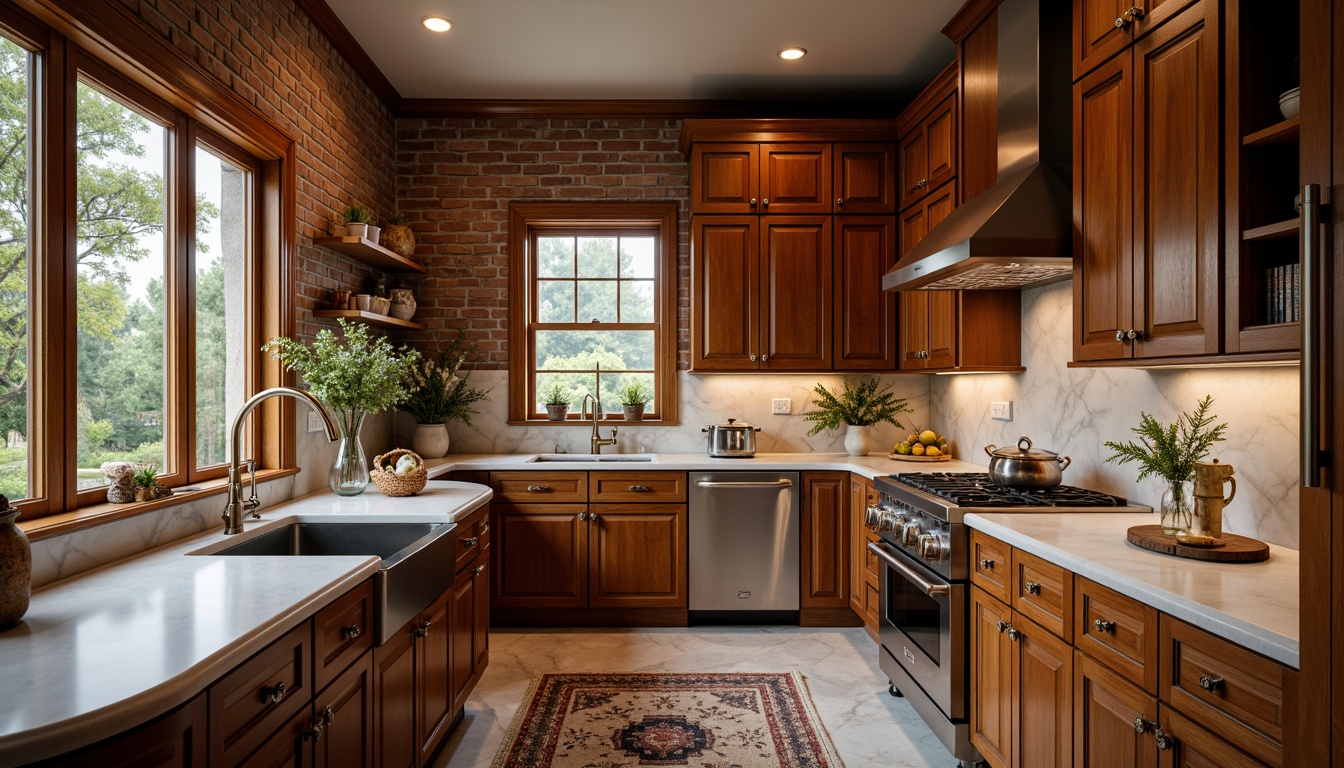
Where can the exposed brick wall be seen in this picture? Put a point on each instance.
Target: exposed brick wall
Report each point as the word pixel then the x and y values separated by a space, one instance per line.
pixel 456 178
pixel 273 56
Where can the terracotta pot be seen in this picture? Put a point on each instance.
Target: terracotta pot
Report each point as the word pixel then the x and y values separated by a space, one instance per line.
pixel 399 239
pixel 16 568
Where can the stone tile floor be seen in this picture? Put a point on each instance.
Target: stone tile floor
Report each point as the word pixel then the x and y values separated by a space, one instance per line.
pixel 868 727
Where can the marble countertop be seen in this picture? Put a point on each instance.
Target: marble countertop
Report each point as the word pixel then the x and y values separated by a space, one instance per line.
pixel 119 645
pixel 870 466
pixel 1254 605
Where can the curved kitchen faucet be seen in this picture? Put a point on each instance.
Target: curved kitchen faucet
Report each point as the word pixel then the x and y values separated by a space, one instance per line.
pixel 237 506
pixel 597 440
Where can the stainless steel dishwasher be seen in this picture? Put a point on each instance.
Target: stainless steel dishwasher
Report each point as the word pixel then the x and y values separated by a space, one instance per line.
pixel 743 547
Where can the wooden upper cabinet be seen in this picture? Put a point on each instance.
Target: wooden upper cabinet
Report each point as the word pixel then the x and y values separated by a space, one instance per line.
pixel 725 178
pixel 865 318
pixel 725 272
pixel 865 178
pixel 795 286
pixel 929 152
pixel 1103 28
pixel 941 345
pixel 795 178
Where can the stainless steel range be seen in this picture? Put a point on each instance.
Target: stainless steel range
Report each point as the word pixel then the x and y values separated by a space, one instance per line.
pixel 923 623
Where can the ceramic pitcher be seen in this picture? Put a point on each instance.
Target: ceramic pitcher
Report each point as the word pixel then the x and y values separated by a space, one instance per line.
pixel 1210 476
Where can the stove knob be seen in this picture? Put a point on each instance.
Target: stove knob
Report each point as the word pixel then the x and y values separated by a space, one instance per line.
pixel 930 547
pixel 871 516
pixel 910 534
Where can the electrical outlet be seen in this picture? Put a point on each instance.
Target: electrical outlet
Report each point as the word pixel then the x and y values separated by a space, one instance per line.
pixel 781 406
pixel 314 421
pixel 1001 411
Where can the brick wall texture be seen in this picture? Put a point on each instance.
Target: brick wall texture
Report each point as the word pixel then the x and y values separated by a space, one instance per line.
pixel 272 55
pixel 456 178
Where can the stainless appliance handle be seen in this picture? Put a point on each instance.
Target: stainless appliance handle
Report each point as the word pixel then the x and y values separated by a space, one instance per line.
pixel 724 484
pixel 930 589
pixel 1311 335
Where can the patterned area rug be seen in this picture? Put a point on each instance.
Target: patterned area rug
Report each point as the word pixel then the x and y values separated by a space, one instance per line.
pixel 696 720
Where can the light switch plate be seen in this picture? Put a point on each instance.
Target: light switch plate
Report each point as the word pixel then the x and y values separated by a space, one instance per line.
pixel 314 421
pixel 1001 411
pixel 781 406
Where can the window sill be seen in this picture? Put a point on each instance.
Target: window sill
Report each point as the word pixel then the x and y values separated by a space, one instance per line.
pixel 589 423
pixel 97 514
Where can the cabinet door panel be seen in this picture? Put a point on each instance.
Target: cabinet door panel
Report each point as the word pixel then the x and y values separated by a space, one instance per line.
pixel 941 344
pixel 940 128
pixel 865 315
pixel 796 292
pixel 823 531
pixel 914 165
pixel 914 328
pixel 1104 712
pixel 796 178
pixel 461 619
pixel 480 628
pixel 725 178
pixel 434 701
pixel 541 554
pixel 1043 719
pixel 1195 747
pixel 1096 36
pixel 1177 206
pixel 289 747
pixel 346 708
pixel 244 709
pixel 865 178
pixel 1103 296
pixel 394 697
pixel 637 556
pixel 176 740
pixel 725 271
pixel 992 682
pixel 858 542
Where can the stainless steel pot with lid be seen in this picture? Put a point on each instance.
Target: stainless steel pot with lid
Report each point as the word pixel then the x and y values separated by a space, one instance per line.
pixel 731 440
pixel 1025 467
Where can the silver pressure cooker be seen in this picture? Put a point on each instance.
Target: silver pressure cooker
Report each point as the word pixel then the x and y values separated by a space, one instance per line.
pixel 731 440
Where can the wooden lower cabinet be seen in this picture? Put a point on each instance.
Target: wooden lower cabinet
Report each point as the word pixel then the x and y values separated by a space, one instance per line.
pixel 345 710
pixel 637 556
pixel 175 740
pixel 394 697
pixel 541 551
pixel 434 699
pixel 470 627
pixel 1113 720
pixel 413 688
pixel 1022 688
pixel 1193 746
pixel 824 551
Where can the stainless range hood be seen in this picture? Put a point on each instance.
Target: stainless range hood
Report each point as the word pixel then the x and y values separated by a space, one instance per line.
pixel 1019 233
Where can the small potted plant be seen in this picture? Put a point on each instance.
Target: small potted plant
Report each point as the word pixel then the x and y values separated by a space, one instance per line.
pixel 437 394
pixel 556 399
pixel 147 486
pixel 358 219
pixel 634 396
pixel 1170 452
pixel 858 408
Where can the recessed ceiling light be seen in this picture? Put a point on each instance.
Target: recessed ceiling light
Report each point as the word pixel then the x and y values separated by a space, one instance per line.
pixel 789 54
pixel 436 23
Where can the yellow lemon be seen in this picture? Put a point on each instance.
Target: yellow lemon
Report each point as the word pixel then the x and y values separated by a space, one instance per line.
pixel 928 437
pixel 917 449
pixel 932 450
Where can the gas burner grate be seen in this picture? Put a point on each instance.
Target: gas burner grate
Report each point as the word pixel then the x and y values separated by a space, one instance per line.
pixel 974 489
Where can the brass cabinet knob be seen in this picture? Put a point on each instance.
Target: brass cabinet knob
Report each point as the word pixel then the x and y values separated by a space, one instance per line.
pixel 839 201
pixel 470 541
pixel 1132 334
pixel 583 515
pixel 592 516
pixel 423 629
pixel 1211 684
pixel 765 202
pixel 1120 336
pixel 1013 633
pixel 1141 725
pixel 351 632
pixel 1104 626
pixel 480 568
pixel 753 202
pixel 1129 17
pixel 1163 740
pixel 1032 587
pixel 986 564
pixel 274 693
pixel 1002 625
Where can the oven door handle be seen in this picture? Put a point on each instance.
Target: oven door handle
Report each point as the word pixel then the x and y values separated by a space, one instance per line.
pixel 930 589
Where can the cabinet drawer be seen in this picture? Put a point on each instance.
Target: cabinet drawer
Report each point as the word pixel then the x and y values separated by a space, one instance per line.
pixel 872 568
pixel 1194 746
pixel 1043 592
pixel 1118 631
pixel 248 704
pixel 342 632
pixel 991 565
pixel 539 487
pixel 1234 692
pixel 472 534
pixel 636 487
pixel 872 604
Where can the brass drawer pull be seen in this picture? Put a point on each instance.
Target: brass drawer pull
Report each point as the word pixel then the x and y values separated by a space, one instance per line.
pixel 539 488
pixel 1013 633
pixel 1002 625
pixel 1211 684
pixel 423 629
pixel 1163 740
pixel 1104 626
pixel 470 541
pixel 986 564
pixel 484 526
pixel 351 632
pixel 274 693
pixel 480 568
pixel 1141 725
pixel 1032 587
pixel 640 488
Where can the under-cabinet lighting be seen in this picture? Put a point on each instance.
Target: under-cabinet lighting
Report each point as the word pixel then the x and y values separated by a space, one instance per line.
pixel 789 54
pixel 436 23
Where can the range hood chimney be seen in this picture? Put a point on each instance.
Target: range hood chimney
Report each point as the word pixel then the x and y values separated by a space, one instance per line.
pixel 1017 234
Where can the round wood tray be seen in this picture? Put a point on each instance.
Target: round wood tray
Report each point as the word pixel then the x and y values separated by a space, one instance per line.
pixel 899 457
pixel 1231 548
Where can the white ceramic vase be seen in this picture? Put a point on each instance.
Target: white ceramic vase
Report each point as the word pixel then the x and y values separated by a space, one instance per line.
pixel 856 440
pixel 430 441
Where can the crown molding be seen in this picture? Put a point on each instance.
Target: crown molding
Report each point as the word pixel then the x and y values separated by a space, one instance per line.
pixel 671 109
pixel 350 49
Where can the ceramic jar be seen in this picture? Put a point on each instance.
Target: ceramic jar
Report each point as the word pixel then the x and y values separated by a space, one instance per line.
pixel 399 239
pixel 430 440
pixel 16 568
pixel 1210 477
pixel 403 303
pixel 856 440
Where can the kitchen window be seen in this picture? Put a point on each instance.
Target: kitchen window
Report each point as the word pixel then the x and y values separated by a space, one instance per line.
pixel 129 274
pixel 593 287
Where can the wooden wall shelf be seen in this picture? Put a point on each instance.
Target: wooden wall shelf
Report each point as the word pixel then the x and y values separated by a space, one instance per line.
pixel 1279 133
pixel 368 252
pixel 1281 230
pixel 370 318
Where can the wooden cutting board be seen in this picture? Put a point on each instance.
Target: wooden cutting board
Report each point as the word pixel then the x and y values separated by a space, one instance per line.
pixel 1230 548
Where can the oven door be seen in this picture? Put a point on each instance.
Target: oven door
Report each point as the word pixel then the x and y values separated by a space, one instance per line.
pixel 922 627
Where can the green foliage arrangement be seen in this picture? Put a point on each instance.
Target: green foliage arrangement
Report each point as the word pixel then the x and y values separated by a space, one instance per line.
pixel 636 393
pixel 437 390
pixel 146 476
pixel 1170 452
pixel 556 394
pixel 859 406
pixel 356 213
pixel 399 219
pixel 353 375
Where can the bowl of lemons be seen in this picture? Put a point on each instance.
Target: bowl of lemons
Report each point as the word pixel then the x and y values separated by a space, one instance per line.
pixel 922 445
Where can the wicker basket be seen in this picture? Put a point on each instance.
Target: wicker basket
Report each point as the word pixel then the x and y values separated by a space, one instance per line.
pixel 398 485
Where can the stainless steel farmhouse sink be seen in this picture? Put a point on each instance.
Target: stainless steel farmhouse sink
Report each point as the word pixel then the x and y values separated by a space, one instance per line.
pixel 416 568
pixel 604 458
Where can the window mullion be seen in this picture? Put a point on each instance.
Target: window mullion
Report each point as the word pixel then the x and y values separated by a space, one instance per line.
pixel 180 317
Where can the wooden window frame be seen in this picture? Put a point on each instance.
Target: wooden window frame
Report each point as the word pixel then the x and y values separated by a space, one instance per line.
pixel 527 218
pixel 122 57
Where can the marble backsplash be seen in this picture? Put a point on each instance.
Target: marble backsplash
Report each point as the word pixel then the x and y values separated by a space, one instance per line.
pixel 1073 411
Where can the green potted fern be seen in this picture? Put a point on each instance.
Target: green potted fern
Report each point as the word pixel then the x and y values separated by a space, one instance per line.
pixel 556 398
pixel 1170 452
pixel 857 408
pixel 358 220
pixel 635 395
